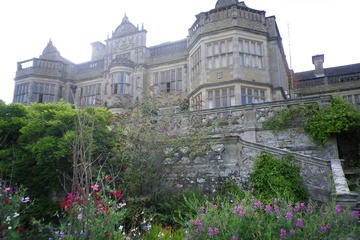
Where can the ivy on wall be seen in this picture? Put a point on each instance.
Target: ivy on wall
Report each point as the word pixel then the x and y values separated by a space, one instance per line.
pixel 319 122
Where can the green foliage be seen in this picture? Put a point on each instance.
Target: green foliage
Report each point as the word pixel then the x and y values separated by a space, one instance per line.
pixel 320 122
pixel 250 219
pixel 336 118
pixel 277 178
pixel 290 117
pixel 173 209
pixel 38 147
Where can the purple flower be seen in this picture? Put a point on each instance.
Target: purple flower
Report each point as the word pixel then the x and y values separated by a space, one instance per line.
pixel 355 213
pixel 244 200
pixel 79 216
pixel 234 238
pixel 282 233
pixel 257 204
pixel 337 209
pixel 288 206
pixel 325 227
pixel 309 209
pixel 241 214
pixel 212 205
pixel 202 209
pixel 238 208
pixel 289 215
pixel 297 209
pixel 213 231
pixel 267 208
pixel 292 232
pixel 299 222
pixel 25 200
pixel 198 223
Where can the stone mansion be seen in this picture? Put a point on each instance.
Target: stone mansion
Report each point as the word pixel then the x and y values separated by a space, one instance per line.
pixel 233 55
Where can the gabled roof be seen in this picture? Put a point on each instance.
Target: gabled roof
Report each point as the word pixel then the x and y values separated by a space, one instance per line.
pixel 330 72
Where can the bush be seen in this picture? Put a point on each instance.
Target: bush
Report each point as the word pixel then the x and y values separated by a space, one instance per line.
pixel 277 178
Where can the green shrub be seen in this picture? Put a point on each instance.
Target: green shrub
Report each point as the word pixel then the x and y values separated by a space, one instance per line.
pixel 277 178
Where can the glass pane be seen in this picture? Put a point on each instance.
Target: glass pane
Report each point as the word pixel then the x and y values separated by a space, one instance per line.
pixel 241 45
pixel 243 91
pixel 249 99
pixel 210 94
pixel 249 91
pixel 243 100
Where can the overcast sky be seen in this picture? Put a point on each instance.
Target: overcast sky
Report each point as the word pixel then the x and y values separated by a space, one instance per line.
pixel 329 27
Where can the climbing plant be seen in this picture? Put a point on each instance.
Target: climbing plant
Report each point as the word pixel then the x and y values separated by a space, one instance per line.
pixel 319 122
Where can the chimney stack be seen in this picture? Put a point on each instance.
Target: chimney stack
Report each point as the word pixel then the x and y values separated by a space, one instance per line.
pixel 318 61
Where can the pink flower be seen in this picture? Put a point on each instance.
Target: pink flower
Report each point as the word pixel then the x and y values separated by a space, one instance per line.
pixel 292 232
pixel 241 214
pixel 244 200
pixel 238 208
pixel 337 209
pixel 355 213
pixel 288 206
pixel 234 238
pixel 107 177
pixel 267 208
pixel 95 187
pixel 325 227
pixel 309 209
pixel 299 222
pixel 289 215
pixel 282 233
pixel 198 223
pixel 213 231
pixel 257 204
pixel 6 189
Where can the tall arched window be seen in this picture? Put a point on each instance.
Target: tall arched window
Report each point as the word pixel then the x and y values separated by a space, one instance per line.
pixel 121 83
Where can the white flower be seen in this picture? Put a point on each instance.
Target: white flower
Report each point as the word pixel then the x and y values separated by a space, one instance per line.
pixel 160 235
pixel 16 214
pixel 9 227
pixel 8 218
pixel 121 227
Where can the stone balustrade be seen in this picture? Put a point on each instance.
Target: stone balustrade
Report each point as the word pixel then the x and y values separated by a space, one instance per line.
pixel 40 67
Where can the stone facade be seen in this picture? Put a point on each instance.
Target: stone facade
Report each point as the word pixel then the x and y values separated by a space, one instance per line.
pixel 233 55
pixel 343 81
pixel 236 138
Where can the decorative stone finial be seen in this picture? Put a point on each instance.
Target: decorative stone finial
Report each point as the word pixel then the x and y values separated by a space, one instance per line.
pixel 225 3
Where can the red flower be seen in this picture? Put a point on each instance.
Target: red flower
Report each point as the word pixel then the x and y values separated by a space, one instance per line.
pixel 19 229
pixel 117 193
pixel 5 201
pixel 107 235
pixel 79 201
pixel 107 177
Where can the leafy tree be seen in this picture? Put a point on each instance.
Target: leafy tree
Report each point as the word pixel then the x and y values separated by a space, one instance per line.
pixel 39 147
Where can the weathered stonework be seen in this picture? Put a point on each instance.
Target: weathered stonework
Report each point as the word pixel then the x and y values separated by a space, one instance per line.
pixel 236 138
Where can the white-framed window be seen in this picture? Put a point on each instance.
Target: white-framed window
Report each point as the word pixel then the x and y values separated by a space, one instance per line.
pixel 121 83
pixel 219 54
pixel 90 95
pixel 196 61
pixel 221 97
pixel 21 93
pixel 168 81
pixel 43 93
pixel 252 95
pixel 251 53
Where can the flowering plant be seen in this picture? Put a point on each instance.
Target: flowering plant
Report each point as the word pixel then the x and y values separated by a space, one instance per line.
pixel 97 216
pixel 249 218
pixel 13 202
